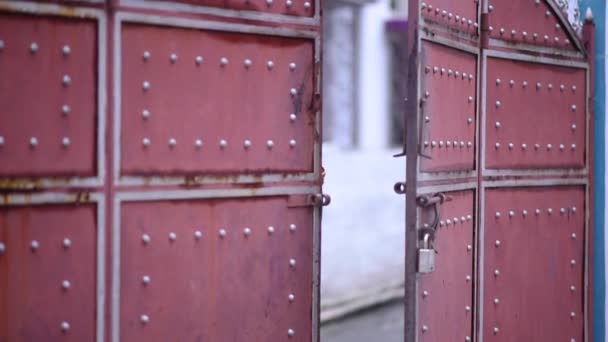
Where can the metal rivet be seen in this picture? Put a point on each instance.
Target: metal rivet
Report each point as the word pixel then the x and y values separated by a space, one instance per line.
pixel 441 223
pixel 144 319
pixel 145 114
pixel 497 145
pixel 497 124
pixel 292 262
pixel 293 92
pixel 539 85
pixel 501 31
pixel 307 5
pixel 442 71
pixel 573 146
pixel 524 212
pixel 247 231
pixel 549 147
pixel 467 278
pixel 496 330
pixel 550 211
pixel 573 209
pixel 456 220
pixel 198 143
pixel 490 8
pixel 270 65
pixel 269 144
pixel 511 146
pixel 292 143
pixel 572 314
pixel 448 222
pixel 524 34
pixel 467 339
pixel 546 38
pixel 469 248
pixel 223 143
pixel 426 143
pixel 497 243
pixel 67 243
pixel 66 285
pixel 498 81
pixel 145 142
pixel 288 3
pixel 467 308
pixel 291 332
pixel 573 127
pixel 224 61
pixel 536 146
pixel 425 294
pixel 270 230
pixel 549 86
pixel 172 236
pixel 498 104
pixel 145 238
pixel 34 47
pixel 2 248
pixel 535 36
pixel 66 50
pixel 573 108
pixel 511 83
pixel 433 143
pixel 34 245
pixel 65 326
pixel 513 32
pixel 33 142
pixel 497 215
pixel 66 80
pixel 65 142
pixel 247 144
pixel 292 66
pixel 198 60
pixel 572 262
pixel 470 99
pixel 248 63
pixel 556 39
pixel 146 55
pixel 291 297
pixel 496 301
pixel 198 235
pixel 146 280
pixel 146 85
pixel 222 233
pixel 572 288
pixel 172 142
pixel 496 273
pixel 1 44
pixel 173 58
pixel 427 94
pixel 469 217
pixel 524 84
pixel 561 147
pixel 537 211
pixel 524 146
pixel 573 236
pixel 292 117
pixel 435 69
pixel 469 144
pixel 562 210
pixel 562 87
pixel 425 328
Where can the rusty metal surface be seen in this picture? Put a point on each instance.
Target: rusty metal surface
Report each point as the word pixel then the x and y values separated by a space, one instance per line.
pixel 537 294
pixel 48 68
pixel 298 8
pixel 223 276
pixel 536 115
pixel 217 102
pixel 448 109
pixel 47 281
pixel 528 22
pixel 446 295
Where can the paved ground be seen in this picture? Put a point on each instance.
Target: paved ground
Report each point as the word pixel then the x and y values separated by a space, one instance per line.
pixel 383 324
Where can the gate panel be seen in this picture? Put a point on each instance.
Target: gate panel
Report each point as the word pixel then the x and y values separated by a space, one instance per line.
pixel 534 264
pixel 443 316
pixel 198 101
pixel 449 95
pixel 190 268
pixel 48 67
pixel 287 7
pixel 535 115
pixel 528 22
pixel 47 267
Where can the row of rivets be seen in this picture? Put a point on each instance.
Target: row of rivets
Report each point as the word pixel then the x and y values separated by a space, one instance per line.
pixel 198 143
pixel 539 85
pixel 537 147
pixel 457 19
pixel 537 212
pixel 146 239
pixel 146 86
pixel 455 220
pixel 145 114
pixel 224 61
pixel 288 3
pixel 447 144
pixel 33 48
pixel 535 35
pixel 34 142
pixel 442 71
pixel 35 245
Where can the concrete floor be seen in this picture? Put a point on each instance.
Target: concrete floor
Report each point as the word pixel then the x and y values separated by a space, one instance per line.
pixel 382 324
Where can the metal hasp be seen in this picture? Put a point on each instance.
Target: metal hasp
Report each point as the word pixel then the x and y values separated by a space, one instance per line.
pixel 497 120
pixel 160 170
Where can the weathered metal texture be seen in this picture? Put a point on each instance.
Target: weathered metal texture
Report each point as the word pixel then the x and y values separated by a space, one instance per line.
pixel 528 22
pixel 446 295
pixel 47 96
pixel 216 270
pixel 536 115
pixel 534 264
pixel 300 8
pixel 447 108
pixel 196 101
pixel 47 267
pixel 457 15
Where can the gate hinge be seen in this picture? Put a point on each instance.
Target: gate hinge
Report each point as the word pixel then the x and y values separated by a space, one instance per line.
pixel 312 200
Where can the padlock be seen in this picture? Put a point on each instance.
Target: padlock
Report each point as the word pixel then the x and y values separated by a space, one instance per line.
pixel 426 256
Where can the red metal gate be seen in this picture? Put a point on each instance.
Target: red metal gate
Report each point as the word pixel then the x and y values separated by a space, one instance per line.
pixel 498 178
pixel 160 170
